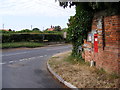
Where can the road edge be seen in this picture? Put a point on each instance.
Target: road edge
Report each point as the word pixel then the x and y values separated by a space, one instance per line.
pixel 69 85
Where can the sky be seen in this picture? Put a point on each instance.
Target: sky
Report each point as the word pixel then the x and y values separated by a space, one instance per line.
pixel 21 14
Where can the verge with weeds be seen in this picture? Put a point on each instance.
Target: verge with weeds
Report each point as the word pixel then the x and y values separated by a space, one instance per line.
pixel 80 74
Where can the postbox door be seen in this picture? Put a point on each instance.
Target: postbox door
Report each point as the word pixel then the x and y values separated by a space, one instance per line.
pixel 96 43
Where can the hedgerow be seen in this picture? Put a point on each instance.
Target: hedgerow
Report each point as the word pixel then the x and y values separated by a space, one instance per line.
pixel 31 37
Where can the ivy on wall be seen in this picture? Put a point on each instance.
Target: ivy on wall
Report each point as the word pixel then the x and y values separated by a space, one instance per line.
pixel 78 27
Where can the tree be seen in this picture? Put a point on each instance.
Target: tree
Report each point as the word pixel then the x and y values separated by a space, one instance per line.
pixel 79 25
pixel 64 29
pixel 57 28
pixel 25 30
pixel 10 30
pixel 35 29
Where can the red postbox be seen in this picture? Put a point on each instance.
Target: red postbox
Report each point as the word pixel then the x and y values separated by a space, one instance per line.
pixel 96 43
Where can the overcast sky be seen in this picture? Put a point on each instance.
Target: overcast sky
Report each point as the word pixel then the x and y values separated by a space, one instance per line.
pixel 21 14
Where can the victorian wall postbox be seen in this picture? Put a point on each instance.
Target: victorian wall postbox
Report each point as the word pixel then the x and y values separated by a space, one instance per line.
pixel 96 43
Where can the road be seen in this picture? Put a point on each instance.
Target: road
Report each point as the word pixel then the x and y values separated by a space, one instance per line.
pixel 26 68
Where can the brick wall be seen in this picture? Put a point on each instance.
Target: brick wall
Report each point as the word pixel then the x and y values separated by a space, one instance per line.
pixel 108 56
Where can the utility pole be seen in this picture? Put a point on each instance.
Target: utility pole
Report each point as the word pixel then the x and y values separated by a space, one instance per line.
pixel 3 26
pixel 31 27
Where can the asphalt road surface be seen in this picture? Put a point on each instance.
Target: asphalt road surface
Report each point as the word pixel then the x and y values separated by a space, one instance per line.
pixel 26 68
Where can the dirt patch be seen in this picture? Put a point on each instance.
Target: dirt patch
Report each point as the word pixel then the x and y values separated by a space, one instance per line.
pixel 82 75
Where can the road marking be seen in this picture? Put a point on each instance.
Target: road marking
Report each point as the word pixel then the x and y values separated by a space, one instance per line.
pixel 11 61
pixel 14 54
pixel 21 60
pixel 57 48
pixel 45 55
pixel 2 63
pixel 33 51
pixel 40 56
pixel 25 59
pixel 50 45
pixel 32 58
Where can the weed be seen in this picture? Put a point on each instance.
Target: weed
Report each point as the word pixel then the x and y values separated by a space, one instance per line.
pixel 55 57
pixel 75 60
pixel 114 76
pixel 100 71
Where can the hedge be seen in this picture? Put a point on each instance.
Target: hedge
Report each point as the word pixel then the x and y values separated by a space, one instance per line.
pixel 31 37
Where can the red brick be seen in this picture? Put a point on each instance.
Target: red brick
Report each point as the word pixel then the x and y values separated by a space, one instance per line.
pixel 109 58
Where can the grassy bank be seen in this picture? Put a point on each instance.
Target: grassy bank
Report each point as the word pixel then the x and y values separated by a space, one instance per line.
pixel 21 44
pixel 80 74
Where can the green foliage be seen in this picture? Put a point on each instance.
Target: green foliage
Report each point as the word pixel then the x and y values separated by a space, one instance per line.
pixel 21 44
pixel 100 71
pixel 111 8
pixel 76 60
pixel 57 28
pixel 78 27
pixel 52 32
pixel 64 29
pixel 114 76
pixel 31 37
pixel 24 31
pixel 36 30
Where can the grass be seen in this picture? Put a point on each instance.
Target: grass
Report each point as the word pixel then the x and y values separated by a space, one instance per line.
pixel 21 44
pixel 79 73
pixel 114 76
pixel 76 60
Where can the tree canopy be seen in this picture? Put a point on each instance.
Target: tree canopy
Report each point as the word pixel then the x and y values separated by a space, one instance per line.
pixel 95 6
pixel 57 28
pixel 35 29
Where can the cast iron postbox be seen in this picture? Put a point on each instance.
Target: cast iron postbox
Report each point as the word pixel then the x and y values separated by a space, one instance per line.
pixel 96 43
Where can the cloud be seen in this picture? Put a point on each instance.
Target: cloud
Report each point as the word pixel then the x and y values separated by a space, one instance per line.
pixel 34 7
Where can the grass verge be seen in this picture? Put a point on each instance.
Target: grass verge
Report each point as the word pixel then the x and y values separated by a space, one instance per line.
pixel 75 60
pixel 80 74
pixel 21 44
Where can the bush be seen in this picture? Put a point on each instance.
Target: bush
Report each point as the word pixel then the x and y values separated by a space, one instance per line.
pixel 31 37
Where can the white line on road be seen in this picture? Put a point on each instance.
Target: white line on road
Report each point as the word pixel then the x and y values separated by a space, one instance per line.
pixel 40 56
pixel 32 51
pixel 25 59
pixel 45 55
pixel 11 61
pixel 14 54
pixel 21 60
pixel 2 63
pixel 57 48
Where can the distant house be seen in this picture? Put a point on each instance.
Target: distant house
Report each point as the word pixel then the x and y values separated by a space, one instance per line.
pixel 6 29
pixel 51 29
